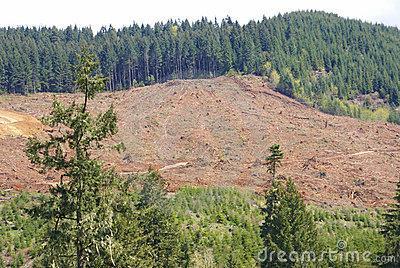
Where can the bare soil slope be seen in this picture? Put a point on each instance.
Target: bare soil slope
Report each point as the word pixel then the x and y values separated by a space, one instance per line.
pixel 18 124
pixel 217 132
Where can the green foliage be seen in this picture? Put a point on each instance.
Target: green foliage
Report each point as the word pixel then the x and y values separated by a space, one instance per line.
pixel 220 226
pixel 286 83
pixel 93 217
pixel 274 78
pixel 146 228
pixel 314 53
pixel 198 227
pixel 18 260
pixel 18 231
pixel 174 30
pixel 232 73
pixel 270 73
pixel 288 226
pixel 2 263
pixel 274 160
pixel 87 81
pixel 391 228
pixel 80 209
pixel 359 229
pixel 394 117
pixel 336 106
pixel 266 68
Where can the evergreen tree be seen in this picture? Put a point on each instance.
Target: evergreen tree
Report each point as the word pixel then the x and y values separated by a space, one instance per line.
pixel 288 227
pixel 274 160
pixel 311 55
pixel 391 229
pixel 286 85
pixel 94 218
pixel 80 209
pixel 147 232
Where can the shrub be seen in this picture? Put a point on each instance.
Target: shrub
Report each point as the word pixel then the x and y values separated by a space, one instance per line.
pixel 394 117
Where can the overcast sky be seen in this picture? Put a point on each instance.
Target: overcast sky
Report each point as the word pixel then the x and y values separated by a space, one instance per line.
pixel 97 13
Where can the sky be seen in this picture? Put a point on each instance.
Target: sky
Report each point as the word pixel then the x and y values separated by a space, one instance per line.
pixel 118 13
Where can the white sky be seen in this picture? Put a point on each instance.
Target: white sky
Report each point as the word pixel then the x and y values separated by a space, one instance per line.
pixel 99 13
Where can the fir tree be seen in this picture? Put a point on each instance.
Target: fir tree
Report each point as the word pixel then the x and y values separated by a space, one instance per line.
pixel 321 58
pixel 288 226
pixel 147 233
pixel 274 160
pixel 80 209
pixel 391 229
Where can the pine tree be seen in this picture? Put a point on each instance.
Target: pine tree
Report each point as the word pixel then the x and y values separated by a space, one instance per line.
pixel 274 160
pixel 147 233
pixel 307 62
pixel 160 230
pixel 394 98
pixel 286 85
pixel 391 229
pixel 80 209
pixel 288 226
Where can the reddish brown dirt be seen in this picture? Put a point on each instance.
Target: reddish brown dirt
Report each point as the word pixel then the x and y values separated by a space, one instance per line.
pixel 217 132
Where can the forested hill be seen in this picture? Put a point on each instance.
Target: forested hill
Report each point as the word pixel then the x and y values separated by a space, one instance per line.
pixel 308 54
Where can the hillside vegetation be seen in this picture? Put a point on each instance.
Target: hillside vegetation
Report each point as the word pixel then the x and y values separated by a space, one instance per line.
pixel 218 227
pixel 315 56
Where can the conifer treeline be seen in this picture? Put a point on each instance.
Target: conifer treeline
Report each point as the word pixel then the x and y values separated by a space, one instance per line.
pixel 313 53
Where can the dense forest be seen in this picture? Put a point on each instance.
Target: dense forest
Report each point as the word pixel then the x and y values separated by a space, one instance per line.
pixel 309 55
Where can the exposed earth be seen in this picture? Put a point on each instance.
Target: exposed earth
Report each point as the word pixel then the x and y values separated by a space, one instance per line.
pixel 18 124
pixel 217 132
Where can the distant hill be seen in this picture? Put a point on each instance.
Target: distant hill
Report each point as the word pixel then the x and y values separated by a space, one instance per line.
pixel 314 56
pixel 217 132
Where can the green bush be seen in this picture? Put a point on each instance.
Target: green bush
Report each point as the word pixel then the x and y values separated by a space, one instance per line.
pixel 336 106
pixel 394 117
pixel 2 262
pixel 232 73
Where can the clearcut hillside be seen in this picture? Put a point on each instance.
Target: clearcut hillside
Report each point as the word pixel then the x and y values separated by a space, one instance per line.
pixel 217 132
